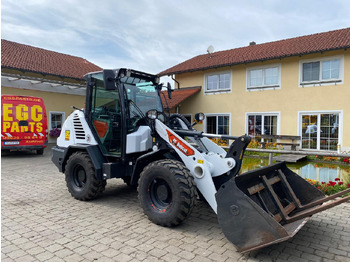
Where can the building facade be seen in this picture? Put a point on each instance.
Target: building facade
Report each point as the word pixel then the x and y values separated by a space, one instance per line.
pixel 55 77
pixel 298 86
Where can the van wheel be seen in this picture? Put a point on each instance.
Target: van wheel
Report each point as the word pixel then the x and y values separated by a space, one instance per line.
pixel 166 192
pixel 40 151
pixel 80 177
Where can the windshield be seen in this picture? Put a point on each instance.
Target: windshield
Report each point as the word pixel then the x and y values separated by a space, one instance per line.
pixel 140 96
pixel 144 96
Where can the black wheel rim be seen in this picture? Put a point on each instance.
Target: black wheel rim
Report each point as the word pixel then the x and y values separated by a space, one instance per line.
pixel 79 176
pixel 160 194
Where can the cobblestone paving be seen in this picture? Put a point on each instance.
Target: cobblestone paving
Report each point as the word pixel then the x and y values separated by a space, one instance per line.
pixel 42 222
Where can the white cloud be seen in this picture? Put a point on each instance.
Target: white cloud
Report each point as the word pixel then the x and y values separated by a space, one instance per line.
pixel 155 35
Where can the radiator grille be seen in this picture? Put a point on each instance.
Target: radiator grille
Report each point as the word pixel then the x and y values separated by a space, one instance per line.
pixel 78 128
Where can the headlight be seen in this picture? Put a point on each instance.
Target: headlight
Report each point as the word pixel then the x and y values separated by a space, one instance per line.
pixel 152 114
pixel 199 116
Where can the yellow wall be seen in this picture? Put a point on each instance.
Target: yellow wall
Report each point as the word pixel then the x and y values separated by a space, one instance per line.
pixel 288 100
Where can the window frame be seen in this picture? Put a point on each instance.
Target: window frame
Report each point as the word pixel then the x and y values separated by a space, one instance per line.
pixel 320 81
pixel 56 112
pixel 206 91
pixel 263 114
pixel 205 128
pixel 263 86
pixel 320 112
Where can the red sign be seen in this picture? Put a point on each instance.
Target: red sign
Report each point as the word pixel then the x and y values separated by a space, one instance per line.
pixel 174 140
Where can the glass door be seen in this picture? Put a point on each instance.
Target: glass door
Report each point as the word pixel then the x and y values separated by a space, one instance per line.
pixel 309 131
pixel 106 117
pixel 329 129
pixel 320 131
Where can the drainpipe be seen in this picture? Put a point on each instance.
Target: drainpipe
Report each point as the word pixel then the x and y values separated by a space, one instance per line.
pixel 178 84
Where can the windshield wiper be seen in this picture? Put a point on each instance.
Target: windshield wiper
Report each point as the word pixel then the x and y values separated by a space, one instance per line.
pixel 140 113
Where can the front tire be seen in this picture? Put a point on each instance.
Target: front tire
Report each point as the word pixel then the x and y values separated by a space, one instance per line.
pixel 80 177
pixel 166 192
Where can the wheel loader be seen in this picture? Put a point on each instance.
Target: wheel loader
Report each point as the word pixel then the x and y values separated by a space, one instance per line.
pixel 124 132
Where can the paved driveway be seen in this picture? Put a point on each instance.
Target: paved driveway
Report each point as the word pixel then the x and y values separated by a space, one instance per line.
pixel 42 222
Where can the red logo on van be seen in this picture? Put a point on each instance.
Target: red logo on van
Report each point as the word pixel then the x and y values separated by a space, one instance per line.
pixel 174 140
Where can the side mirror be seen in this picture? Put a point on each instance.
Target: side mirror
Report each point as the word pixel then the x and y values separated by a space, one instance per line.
pixel 169 90
pixel 199 116
pixel 109 79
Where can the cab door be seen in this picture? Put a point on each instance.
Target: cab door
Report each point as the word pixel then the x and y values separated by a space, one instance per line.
pixel 106 119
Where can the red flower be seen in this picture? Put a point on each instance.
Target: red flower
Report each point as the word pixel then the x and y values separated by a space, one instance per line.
pixel 346 160
pixel 340 183
pixel 348 185
pixel 337 179
pixel 323 182
pixel 331 183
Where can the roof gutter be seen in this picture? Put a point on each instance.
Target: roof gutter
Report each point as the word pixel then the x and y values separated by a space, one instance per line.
pixel 42 73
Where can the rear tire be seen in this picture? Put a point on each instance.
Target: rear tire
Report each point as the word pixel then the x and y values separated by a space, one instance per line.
pixel 80 177
pixel 167 192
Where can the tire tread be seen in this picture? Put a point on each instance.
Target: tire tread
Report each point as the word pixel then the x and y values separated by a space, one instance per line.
pixel 184 182
pixel 96 187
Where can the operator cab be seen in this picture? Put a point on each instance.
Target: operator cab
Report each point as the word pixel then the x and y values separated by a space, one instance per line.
pixel 112 92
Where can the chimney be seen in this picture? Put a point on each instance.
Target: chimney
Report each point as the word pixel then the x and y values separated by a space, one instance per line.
pixel 252 43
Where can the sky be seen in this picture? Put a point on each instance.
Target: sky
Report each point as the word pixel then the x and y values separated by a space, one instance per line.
pixel 154 35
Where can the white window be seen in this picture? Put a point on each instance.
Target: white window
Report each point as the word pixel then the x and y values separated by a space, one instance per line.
pixel 320 130
pixel 262 124
pixel 218 124
pixel 321 71
pixel 56 119
pixel 263 77
pixel 218 82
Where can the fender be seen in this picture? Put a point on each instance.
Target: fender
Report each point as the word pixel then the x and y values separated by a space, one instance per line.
pixel 143 161
pixel 60 156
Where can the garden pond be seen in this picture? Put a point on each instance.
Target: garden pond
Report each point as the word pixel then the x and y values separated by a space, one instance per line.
pixel 319 171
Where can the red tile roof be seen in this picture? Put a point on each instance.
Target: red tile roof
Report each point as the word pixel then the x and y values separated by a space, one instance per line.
pixel 179 95
pixel 302 45
pixel 29 58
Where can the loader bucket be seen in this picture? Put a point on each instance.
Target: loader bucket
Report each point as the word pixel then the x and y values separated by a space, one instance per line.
pixel 268 205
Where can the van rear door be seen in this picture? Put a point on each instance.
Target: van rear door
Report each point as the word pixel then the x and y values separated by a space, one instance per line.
pixel 24 123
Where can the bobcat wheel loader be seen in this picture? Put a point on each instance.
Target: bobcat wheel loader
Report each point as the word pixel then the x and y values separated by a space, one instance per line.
pixel 124 133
